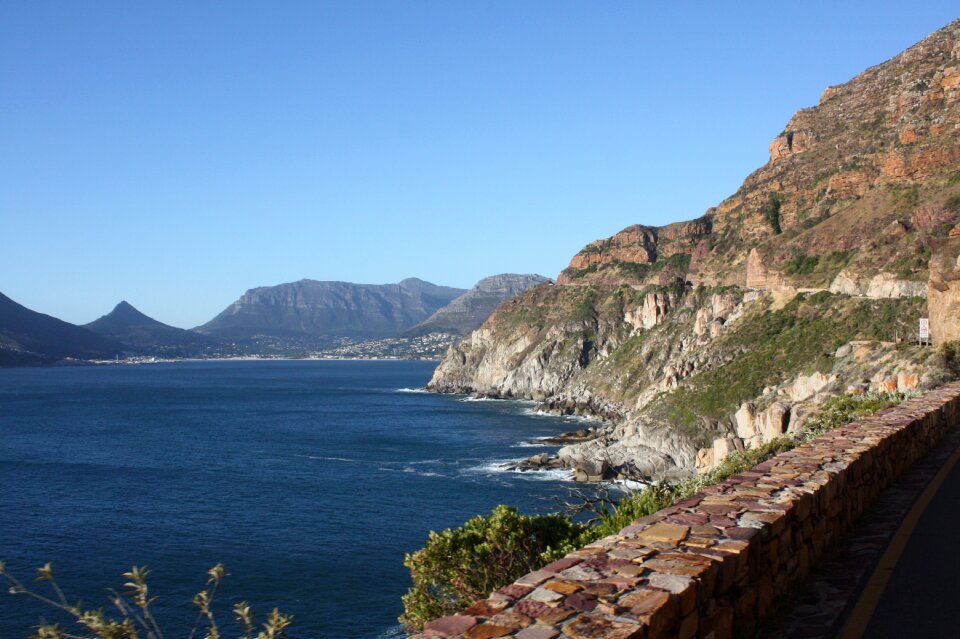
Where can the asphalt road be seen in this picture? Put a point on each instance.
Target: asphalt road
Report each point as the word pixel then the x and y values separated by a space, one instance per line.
pixel 921 597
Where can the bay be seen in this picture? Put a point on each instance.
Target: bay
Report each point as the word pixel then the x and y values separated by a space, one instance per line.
pixel 309 480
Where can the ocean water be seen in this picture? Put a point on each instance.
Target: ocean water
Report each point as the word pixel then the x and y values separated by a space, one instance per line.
pixel 308 480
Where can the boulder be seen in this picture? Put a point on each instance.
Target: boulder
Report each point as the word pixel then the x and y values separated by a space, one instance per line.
pixel 593 470
pixel 655 308
pixel 943 297
pixel 539 460
pixel 745 422
pixel 775 421
pixel 701 323
pixel 907 381
pixel 722 305
pixel 846 283
pixel 725 446
pixel 716 327
pixel 806 386
pixel 704 460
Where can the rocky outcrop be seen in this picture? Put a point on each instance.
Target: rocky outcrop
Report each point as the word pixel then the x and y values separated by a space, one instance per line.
pixel 943 298
pixel 881 285
pixel 886 285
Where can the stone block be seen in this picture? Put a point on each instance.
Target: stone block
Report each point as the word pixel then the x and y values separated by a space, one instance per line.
pixel 664 532
pixel 450 626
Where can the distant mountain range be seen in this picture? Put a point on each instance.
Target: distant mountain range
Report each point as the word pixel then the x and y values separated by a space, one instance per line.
pixel 144 335
pixel 288 319
pixel 316 313
pixel 468 312
pixel 28 338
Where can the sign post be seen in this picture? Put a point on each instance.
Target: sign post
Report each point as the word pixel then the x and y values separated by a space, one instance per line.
pixel 924 330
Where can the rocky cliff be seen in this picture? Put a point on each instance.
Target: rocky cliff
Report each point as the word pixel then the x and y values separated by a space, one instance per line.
pixel 858 184
pixel 701 337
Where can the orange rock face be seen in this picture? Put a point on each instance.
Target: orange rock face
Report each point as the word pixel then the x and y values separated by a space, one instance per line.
pixel 849 184
pixel 633 244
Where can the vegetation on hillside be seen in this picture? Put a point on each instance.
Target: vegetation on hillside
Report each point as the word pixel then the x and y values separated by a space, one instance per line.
pixel 768 347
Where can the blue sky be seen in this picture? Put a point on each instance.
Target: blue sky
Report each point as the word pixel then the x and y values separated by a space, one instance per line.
pixel 177 154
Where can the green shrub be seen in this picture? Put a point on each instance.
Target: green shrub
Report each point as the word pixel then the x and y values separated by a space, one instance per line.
pixel 461 565
pixel 953 204
pixel 802 265
pixel 576 274
pixel 771 212
pixel 637 270
pixel 584 308
pixel 950 354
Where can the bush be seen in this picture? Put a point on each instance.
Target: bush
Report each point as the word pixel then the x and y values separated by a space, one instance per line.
pixel 950 355
pixel 953 204
pixel 771 212
pixel 134 617
pixel 461 565
pixel 802 265
pixel 845 409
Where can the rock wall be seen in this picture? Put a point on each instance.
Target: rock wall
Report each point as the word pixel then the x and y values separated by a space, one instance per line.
pixel 943 296
pixel 713 565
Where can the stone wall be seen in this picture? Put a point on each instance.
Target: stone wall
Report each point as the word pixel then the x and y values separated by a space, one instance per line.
pixel 713 565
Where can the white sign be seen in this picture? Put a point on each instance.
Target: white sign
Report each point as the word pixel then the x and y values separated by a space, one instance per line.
pixel 924 328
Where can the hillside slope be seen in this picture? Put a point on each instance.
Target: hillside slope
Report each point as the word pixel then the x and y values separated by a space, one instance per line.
pixel 700 337
pixel 29 338
pixel 469 311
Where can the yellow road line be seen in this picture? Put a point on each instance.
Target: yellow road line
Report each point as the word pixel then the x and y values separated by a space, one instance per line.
pixel 870 597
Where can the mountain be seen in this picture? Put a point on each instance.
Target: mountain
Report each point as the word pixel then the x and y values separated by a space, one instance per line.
pixel 309 313
pixel 144 335
pixel 30 338
pixel 469 311
pixel 706 336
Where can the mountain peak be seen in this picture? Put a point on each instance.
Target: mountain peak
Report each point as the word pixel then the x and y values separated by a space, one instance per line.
pixel 123 314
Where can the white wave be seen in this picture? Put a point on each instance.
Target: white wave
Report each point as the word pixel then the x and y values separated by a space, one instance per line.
pixel 533 444
pixel 500 467
pixel 533 412
pixel 482 399
pixel 396 632
pixel 411 390
pixel 581 418
pixel 340 459
pixel 421 473
pixel 628 485
pixel 551 474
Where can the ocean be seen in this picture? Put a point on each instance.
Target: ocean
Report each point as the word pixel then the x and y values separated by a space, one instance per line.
pixel 308 480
